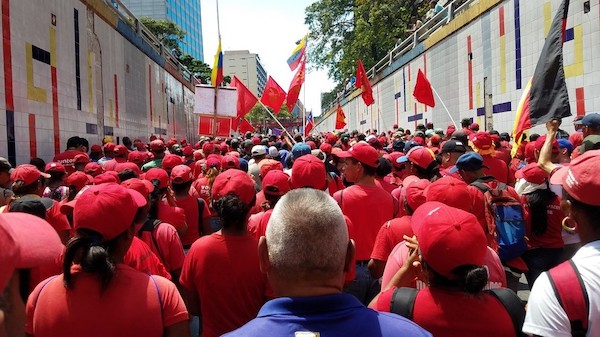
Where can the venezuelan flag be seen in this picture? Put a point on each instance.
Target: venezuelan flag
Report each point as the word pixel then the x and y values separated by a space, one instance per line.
pixel 216 77
pixel 298 53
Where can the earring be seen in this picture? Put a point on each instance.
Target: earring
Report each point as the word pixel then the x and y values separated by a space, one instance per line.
pixel 565 223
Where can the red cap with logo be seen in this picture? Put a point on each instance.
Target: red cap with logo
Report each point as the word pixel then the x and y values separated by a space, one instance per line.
pixel 580 179
pixel 482 140
pixel 159 174
pixel 362 152
pixel 276 183
pixel 95 209
pixel 309 171
pixel 448 238
pixel 539 143
pixel 234 182
pixel 55 167
pixel 532 173
pixel 27 173
pixel 181 174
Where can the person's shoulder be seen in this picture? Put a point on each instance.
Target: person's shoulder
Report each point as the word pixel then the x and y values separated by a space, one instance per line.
pixel 395 325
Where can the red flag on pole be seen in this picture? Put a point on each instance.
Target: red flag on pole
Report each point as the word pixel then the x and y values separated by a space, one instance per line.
pixel 423 92
pixel 295 86
pixel 245 126
pixel 340 118
pixel 273 96
pixel 309 124
pixel 246 100
pixel 362 82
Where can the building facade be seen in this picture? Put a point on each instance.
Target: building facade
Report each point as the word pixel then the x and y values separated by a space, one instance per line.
pixel 247 67
pixel 185 13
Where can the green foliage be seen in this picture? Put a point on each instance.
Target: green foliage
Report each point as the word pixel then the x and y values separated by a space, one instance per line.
pixel 167 32
pixel 200 69
pixel 259 114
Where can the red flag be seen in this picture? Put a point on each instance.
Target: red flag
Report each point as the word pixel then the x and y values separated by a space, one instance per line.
pixel 246 100
pixel 273 96
pixel 362 82
pixel 423 92
pixel 245 126
pixel 309 124
pixel 340 118
pixel 295 87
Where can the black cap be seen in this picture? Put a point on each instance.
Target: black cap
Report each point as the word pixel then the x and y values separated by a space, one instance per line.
pixel 32 205
pixel 454 146
pixel 460 135
pixel 398 145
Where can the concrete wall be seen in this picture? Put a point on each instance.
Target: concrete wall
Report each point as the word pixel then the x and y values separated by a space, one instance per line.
pixel 491 50
pixel 76 68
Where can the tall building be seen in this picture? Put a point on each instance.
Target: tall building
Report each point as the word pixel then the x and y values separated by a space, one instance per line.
pixel 247 67
pixel 185 13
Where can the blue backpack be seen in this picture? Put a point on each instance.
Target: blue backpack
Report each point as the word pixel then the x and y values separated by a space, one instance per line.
pixel 505 220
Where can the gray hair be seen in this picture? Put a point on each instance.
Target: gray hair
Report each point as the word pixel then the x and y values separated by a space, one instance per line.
pixel 307 236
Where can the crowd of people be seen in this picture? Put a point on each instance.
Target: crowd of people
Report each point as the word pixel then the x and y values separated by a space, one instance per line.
pixel 406 232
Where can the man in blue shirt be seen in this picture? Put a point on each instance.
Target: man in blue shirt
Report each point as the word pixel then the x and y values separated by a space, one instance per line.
pixel 305 254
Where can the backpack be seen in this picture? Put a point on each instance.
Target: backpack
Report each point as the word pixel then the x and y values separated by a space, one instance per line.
pixel 505 220
pixel 200 219
pixel 571 295
pixel 149 226
pixel 403 303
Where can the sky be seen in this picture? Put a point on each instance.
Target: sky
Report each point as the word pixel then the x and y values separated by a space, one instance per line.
pixel 270 29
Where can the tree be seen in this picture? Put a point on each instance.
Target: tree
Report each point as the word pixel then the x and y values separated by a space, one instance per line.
pixel 198 68
pixel 167 32
pixel 259 114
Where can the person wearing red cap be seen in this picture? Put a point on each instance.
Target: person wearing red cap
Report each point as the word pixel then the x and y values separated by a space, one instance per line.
pixel 165 208
pixel 80 161
pixel 28 242
pixel 157 149
pixel 197 213
pixel 359 203
pixel 384 169
pixel 275 185
pixel 88 298
pixel 543 219
pixel 75 183
pixel 546 315
pixel 120 156
pixel 55 185
pixel 109 153
pixel 484 145
pixel 27 181
pixel 451 251
pixel 75 146
pixel 170 161
pixel 93 169
pixel 221 276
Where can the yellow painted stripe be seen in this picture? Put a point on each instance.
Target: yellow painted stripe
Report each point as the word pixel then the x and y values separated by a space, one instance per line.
pixel 547 17
pixel 111 112
pixel 478 94
pixel 52 47
pixel 576 69
pixel 90 83
pixel 33 93
pixel 503 64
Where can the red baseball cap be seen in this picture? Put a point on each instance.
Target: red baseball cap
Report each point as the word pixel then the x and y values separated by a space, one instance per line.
pixel 188 151
pixel 109 147
pixel 474 127
pixel 128 165
pixel 95 209
pixel 140 146
pixel 311 144
pixel 157 145
pixel 158 174
pixel 170 161
pixel 96 148
pixel 276 182
pixel 234 182
pixel 482 140
pixel 82 158
pixel 448 238
pixel 78 179
pixel 224 147
pixel 440 189
pixel 143 187
pixel 530 152
pixel 181 174
pixel 255 141
pixel 415 193
pixel 419 140
pixel 136 157
pixel 267 165
pixel 208 148
pixel 198 155
pixel 27 241
pixel 420 156
pixel 121 151
pixel 580 179
pixel 326 147
pixel 309 171
pixel 106 178
pixel 362 152
pixel 55 167
pixel 93 169
pixel 539 143
pixel 213 162
pixel 27 173
pixel 532 173
pixel 229 161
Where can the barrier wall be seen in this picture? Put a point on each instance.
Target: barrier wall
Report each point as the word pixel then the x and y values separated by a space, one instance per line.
pixel 78 68
pixel 480 62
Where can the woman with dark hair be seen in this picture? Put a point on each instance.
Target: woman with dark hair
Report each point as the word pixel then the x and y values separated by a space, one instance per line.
pixel 221 276
pixel 56 185
pixel 543 219
pixel 450 254
pixel 420 161
pixel 97 295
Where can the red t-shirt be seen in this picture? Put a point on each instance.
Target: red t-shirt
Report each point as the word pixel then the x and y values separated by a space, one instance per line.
pixel 367 207
pixel 390 234
pixel 167 248
pixel 447 313
pixel 388 187
pixel 111 165
pixel 202 188
pixel 334 184
pixel 552 237
pixel 497 169
pixel 260 200
pixel 190 205
pixel 133 304
pixel 224 272
pixel 141 258
pixel 67 158
pixel 504 155
pixel 257 224
pixel 172 215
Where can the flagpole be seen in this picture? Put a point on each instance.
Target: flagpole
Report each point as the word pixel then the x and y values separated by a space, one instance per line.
pixel 277 120
pixel 444 105
pixel 214 128
pixel 304 93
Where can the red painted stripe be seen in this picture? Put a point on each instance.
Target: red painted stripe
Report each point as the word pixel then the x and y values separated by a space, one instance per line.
pixel 425 73
pixel 580 98
pixel 32 137
pixel 7 54
pixel 501 21
pixel 470 72
pixel 55 111
pixel 150 89
pixel 116 102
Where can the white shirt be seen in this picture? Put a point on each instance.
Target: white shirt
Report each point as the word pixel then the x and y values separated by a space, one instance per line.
pixel 545 316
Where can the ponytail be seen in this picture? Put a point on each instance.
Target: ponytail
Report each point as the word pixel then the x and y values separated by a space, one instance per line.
pixel 472 279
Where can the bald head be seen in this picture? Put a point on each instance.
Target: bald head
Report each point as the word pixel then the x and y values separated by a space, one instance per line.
pixel 307 237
